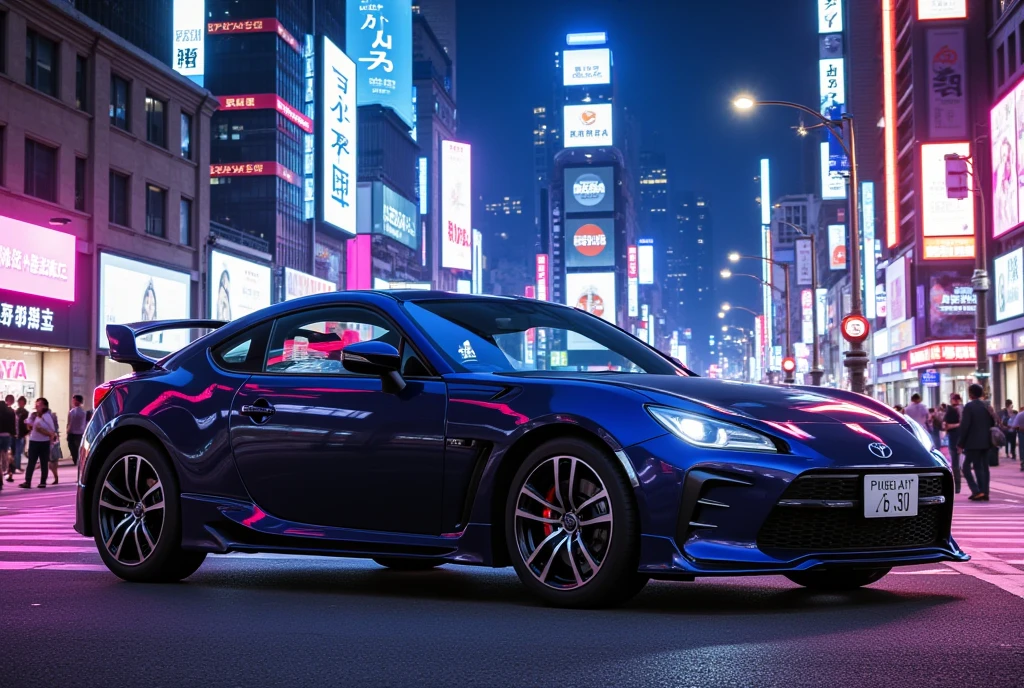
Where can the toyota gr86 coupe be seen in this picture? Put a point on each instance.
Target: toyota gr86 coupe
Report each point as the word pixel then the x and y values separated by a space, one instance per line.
pixel 420 429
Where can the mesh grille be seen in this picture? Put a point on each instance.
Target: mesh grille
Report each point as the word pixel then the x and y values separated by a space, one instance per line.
pixel 823 530
pixel 847 488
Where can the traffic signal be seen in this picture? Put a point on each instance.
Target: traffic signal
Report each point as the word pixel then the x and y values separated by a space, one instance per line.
pixel 788 364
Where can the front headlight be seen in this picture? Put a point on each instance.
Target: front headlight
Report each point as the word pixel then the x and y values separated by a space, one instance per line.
pixel 701 431
pixel 921 434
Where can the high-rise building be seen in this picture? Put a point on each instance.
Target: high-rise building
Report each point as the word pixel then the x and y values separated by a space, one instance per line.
pixel 509 244
pixel 696 272
pixel 144 23
pixel 441 16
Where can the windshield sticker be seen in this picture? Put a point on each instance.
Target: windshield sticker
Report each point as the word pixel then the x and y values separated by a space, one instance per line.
pixel 466 351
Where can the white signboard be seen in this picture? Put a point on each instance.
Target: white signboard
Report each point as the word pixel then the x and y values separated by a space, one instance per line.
pixel 804 264
pixel 132 291
pixel 338 175
pixel 837 247
pixel 896 292
pixel 456 206
pixel 942 216
pixel 1009 285
pixel 807 316
pixel 645 263
pixel 298 284
pixel 830 16
pixel 189 45
pixel 586 67
pixel 237 286
pixel 593 292
pixel 833 185
pixel 587 125
pixel 941 9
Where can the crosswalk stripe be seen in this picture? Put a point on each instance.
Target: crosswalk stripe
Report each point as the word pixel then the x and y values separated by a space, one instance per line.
pixel 48 537
pixel 42 549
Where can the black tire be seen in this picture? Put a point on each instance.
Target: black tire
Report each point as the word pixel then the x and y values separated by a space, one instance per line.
pixel 408 563
pixel 837 580
pixel 166 561
pixel 616 578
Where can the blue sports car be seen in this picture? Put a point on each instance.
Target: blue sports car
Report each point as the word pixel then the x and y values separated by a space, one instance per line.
pixel 415 429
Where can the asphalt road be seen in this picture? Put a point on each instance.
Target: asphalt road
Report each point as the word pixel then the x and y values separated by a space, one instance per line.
pixel 246 620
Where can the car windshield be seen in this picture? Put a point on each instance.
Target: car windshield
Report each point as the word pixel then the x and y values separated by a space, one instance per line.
pixel 510 336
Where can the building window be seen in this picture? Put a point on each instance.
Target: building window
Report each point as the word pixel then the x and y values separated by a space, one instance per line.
pixel 156 122
pixel 1000 65
pixel 119 92
pixel 119 188
pixel 3 130
pixel 186 136
pixel 81 82
pixel 79 183
pixel 185 233
pixel 3 41
pixel 1011 47
pixel 40 170
pixel 156 210
pixel 41 63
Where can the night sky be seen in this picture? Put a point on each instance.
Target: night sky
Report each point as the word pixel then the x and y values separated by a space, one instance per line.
pixel 678 64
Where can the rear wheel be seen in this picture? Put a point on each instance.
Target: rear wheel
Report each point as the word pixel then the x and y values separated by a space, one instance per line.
pixel 572 527
pixel 408 564
pixel 136 514
pixel 837 580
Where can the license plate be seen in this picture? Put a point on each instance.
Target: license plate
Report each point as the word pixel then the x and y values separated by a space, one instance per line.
pixel 890 496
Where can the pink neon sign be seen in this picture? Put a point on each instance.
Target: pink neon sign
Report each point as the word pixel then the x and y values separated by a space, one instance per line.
pixel 36 260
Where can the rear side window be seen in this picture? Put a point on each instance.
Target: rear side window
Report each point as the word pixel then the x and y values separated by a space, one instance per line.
pixel 310 342
pixel 245 352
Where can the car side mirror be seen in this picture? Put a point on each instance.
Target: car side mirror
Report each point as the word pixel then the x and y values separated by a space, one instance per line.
pixel 375 358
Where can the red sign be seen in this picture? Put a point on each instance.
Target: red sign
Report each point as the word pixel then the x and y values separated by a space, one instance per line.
pixel 13 369
pixel 592 303
pixel 267 101
pixel 590 240
pixel 529 292
pixel 788 364
pixel 632 263
pixel 255 26
pixel 542 276
pixel 254 169
pixel 36 260
pixel 948 352
pixel 855 328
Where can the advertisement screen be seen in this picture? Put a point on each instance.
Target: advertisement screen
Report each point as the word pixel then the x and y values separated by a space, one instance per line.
pixel 941 9
pixel 189 51
pixel 589 190
pixel 586 67
pixel 951 304
pixel 590 243
pixel 587 125
pixel 593 292
pixel 456 206
pixel 942 216
pixel 833 185
pixel 36 260
pixel 338 175
pixel 896 292
pixel 1009 285
pixel 830 16
pixel 237 286
pixel 394 216
pixel 542 276
pixel 645 261
pixel 359 263
pixel 298 284
pixel 837 247
pixel 132 291
pixel 1007 161
pixel 378 35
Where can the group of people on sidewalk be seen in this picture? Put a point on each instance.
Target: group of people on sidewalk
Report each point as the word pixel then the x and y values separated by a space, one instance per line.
pixel 969 433
pixel 36 436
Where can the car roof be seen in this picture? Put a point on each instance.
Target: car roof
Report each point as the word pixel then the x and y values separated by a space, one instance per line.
pixel 403 295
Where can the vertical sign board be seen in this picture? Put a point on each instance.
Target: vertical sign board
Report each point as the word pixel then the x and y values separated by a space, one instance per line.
pixel 632 280
pixel 379 36
pixel 804 267
pixel 807 316
pixel 947 96
pixel 766 249
pixel 832 94
pixel 456 205
pixel 645 261
pixel 478 262
pixel 189 39
pixel 542 277
pixel 867 202
pixel 837 247
pixel 338 140
pixel 309 139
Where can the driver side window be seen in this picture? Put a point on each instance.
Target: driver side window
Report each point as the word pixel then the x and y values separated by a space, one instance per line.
pixel 310 342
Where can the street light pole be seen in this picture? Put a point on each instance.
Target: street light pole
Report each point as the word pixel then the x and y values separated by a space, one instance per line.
pixel 785 267
pixel 816 370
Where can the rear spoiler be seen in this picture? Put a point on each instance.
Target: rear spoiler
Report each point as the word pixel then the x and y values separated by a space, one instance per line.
pixel 123 346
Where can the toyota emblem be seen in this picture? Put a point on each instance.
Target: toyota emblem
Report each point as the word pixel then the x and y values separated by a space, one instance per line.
pixel 882 451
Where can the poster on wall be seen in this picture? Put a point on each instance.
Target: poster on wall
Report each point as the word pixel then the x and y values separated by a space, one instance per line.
pixel 132 291
pixel 1009 285
pixel 951 304
pixel 1007 125
pixel 237 286
pixel 942 216
pixel 896 292
pixel 837 247
pixel 593 292
pixel 456 205
pixel 590 243
pixel 947 96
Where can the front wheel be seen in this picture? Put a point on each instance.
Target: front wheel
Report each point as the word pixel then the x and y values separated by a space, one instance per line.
pixel 136 517
pixel 572 527
pixel 837 581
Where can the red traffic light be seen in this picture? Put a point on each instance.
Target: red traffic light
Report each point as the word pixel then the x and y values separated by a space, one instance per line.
pixel 788 364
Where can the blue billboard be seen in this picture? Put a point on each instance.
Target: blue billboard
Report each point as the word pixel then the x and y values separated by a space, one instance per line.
pixel 378 37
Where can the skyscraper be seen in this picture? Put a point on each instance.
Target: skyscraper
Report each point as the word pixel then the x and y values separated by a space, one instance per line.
pixel 145 23
pixel 695 272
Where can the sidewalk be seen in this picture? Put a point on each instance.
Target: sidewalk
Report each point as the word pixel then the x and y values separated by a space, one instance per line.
pixel 1006 478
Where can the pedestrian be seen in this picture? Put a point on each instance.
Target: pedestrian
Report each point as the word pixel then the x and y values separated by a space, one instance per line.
pixel 898 408
pixel 21 413
pixel 1017 426
pixel 55 451
pixel 1005 417
pixel 76 426
pixel 951 424
pixel 917 410
pixel 976 426
pixel 8 428
pixel 935 426
pixel 42 434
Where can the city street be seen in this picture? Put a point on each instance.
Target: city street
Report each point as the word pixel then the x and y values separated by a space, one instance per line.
pixel 279 620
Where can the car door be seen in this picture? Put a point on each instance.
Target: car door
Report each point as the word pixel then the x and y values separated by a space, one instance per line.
pixel 318 445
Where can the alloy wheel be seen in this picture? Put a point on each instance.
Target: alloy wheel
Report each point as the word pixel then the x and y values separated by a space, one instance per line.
pixel 563 522
pixel 131 510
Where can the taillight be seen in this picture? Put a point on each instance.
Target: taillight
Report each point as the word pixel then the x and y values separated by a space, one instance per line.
pixel 99 394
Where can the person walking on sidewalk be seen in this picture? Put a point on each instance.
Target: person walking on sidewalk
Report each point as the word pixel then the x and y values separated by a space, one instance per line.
pixel 918 411
pixel 21 415
pixel 76 426
pixel 43 432
pixel 8 429
pixel 1005 417
pixel 951 424
pixel 976 441
pixel 1017 426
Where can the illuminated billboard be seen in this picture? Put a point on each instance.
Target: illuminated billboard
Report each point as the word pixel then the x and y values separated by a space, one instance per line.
pixel 593 292
pixel 1009 284
pixel 298 284
pixel 36 260
pixel 456 206
pixel 1007 161
pixel 942 216
pixel 590 243
pixel 378 35
pixel 188 46
pixel 645 261
pixel 587 125
pixel 394 216
pixel 941 9
pixel 338 174
pixel 830 16
pixel 586 67
pixel 837 247
pixel 237 286
pixel 833 185
pixel 589 189
pixel 133 291
pixel 896 292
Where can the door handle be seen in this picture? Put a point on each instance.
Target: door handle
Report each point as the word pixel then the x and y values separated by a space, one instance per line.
pixel 258 410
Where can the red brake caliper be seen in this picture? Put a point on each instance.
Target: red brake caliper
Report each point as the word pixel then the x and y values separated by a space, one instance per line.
pixel 550 496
